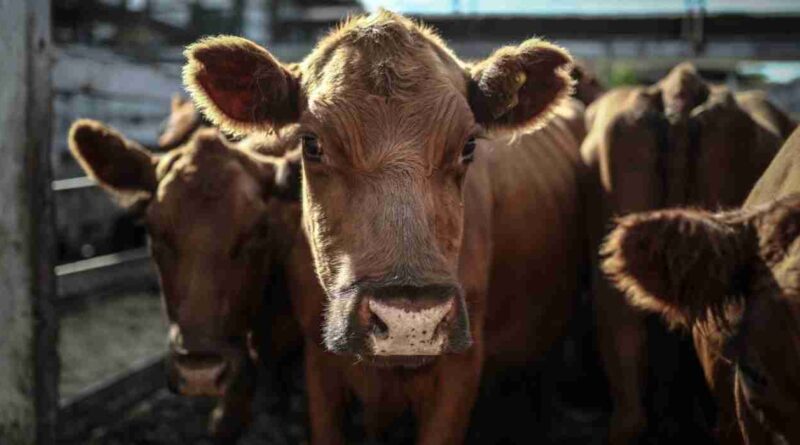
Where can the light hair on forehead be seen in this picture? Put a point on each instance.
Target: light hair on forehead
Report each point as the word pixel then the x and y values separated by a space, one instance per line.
pixel 389 54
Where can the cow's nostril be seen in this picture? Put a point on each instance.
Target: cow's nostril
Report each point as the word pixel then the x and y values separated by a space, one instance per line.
pixel 223 375
pixel 379 328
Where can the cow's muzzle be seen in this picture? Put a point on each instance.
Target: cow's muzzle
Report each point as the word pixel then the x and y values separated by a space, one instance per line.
pixel 388 325
pixel 202 367
pixel 198 374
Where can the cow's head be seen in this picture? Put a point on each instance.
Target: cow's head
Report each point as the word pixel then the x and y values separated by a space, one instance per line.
pixel 216 222
pixel 587 86
pixel 390 119
pixel 735 276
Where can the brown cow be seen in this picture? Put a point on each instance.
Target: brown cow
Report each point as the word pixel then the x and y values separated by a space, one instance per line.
pixel 217 217
pixel 733 279
pixel 679 142
pixel 428 264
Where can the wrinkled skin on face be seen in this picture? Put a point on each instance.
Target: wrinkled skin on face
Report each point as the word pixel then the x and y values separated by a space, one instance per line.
pixel 216 223
pixel 734 280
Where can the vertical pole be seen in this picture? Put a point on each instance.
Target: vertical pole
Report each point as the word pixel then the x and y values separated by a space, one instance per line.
pixel 28 324
pixel 237 19
pixel 272 11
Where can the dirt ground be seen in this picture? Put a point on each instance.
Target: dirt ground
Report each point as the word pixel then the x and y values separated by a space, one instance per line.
pixel 507 414
pixel 562 400
pixel 106 336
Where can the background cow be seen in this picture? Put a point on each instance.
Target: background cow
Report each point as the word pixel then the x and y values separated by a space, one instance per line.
pixel 588 87
pixel 428 266
pixel 181 124
pixel 211 211
pixel 733 279
pixel 679 142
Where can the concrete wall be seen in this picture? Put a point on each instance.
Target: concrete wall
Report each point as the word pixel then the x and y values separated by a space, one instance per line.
pixel 27 323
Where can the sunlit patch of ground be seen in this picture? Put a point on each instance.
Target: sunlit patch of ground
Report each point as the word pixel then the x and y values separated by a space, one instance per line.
pixel 105 337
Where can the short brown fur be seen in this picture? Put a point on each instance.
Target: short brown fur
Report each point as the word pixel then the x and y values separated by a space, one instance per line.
pixel 390 206
pixel 679 142
pixel 740 300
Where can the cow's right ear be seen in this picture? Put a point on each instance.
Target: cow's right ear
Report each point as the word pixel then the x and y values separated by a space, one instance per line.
pixel 240 86
pixel 519 86
pixel 684 264
pixel 117 163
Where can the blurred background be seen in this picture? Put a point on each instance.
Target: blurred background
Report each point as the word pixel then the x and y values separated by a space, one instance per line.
pixel 119 61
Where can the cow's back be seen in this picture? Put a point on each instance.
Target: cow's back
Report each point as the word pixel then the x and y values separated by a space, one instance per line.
pixel 757 104
pixel 536 235
pixel 731 147
pixel 620 152
pixel 641 160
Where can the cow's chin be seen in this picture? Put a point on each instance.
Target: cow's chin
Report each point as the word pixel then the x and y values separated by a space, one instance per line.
pixel 398 361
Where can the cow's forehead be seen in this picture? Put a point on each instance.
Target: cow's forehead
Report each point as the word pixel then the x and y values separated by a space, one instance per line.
pixel 398 75
pixel 383 54
pixel 382 83
pixel 194 191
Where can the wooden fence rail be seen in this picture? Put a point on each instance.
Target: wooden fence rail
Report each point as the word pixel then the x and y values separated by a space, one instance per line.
pixel 99 277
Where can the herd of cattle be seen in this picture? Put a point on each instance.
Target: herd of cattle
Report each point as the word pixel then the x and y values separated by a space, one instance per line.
pixel 416 224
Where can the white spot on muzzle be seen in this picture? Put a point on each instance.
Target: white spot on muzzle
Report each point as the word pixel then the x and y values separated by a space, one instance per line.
pixel 409 332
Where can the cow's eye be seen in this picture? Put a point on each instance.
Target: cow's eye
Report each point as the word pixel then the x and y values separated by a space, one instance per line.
pixel 468 152
pixel 311 149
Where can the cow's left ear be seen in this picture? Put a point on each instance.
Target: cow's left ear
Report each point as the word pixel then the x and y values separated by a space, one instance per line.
pixel 684 264
pixel 240 86
pixel 119 165
pixel 516 86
